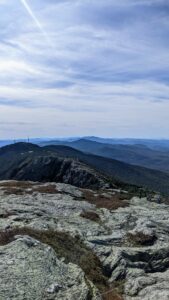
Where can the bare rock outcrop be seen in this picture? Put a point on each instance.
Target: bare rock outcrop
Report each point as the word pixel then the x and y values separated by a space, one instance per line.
pixel 129 236
pixel 31 270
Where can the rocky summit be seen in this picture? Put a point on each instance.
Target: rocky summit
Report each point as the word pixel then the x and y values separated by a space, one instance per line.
pixel 58 241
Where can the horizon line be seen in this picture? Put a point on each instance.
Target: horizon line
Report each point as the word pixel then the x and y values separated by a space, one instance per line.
pixel 81 137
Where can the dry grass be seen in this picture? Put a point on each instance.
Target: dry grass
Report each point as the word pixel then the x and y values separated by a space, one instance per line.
pixel 112 295
pixel 112 203
pixel 26 187
pixel 90 215
pixel 116 291
pixel 165 200
pixel 47 189
pixel 17 184
pixel 140 239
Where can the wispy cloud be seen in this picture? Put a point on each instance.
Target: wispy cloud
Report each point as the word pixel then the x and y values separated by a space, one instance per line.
pixel 30 12
pixel 85 64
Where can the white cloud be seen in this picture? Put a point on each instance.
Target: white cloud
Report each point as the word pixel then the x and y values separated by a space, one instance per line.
pixel 88 75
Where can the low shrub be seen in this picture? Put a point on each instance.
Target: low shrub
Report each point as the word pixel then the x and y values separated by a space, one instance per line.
pixel 90 215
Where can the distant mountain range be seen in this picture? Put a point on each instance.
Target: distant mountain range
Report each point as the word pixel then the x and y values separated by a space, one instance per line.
pixel 156 144
pixel 151 143
pixel 132 154
pixel 25 161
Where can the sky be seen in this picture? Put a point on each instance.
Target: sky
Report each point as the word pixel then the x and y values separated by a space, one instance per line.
pixel 84 67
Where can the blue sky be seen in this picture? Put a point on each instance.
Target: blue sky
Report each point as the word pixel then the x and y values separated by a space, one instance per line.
pixel 84 67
